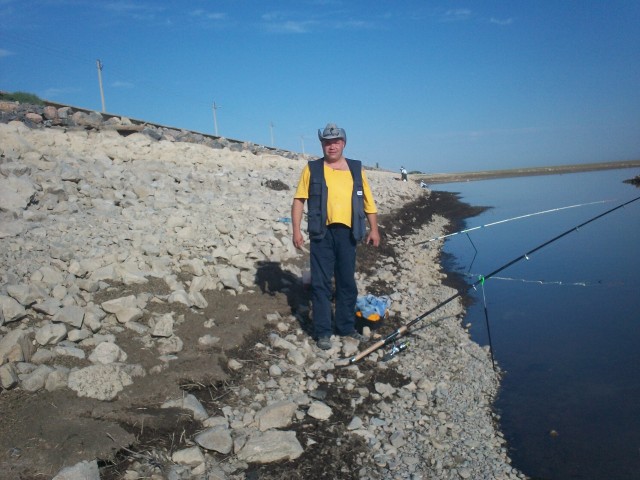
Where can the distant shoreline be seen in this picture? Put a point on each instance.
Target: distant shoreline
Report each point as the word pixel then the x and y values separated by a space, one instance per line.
pixel 521 172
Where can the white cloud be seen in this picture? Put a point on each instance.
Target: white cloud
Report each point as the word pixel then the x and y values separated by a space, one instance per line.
pixel 283 22
pixel 200 13
pixel 501 21
pixel 5 53
pixel 289 26
pixel 134 10
pixel 353 24
pixel 121 84
pixel 456 15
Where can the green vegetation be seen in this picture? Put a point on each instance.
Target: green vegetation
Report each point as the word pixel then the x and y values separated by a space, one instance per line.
pixel 22 97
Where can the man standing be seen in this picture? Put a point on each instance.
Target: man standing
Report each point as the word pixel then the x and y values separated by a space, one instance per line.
pixel 403 173
pixel 339 200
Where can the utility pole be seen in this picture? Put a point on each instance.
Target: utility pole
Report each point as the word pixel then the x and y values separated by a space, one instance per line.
pixel 215 117
pixel 271 128
pixel 99 65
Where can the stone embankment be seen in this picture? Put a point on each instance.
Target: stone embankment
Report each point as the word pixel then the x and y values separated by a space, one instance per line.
pixel 87 207
pixel 73 118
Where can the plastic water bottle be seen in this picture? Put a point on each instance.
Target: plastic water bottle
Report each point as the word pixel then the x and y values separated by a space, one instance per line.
pixel 284 220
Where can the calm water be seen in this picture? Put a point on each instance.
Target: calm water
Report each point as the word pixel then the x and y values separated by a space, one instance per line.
pixel 566 326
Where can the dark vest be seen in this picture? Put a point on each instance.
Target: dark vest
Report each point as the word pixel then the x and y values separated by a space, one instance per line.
pixel 318 193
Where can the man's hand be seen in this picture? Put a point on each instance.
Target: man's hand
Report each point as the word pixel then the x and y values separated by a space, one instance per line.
pixel 297 208
pixel 298 239
pixel 373 238
pixel 374 234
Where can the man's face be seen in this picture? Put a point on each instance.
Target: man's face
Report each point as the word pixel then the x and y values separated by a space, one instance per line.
pixel 332 149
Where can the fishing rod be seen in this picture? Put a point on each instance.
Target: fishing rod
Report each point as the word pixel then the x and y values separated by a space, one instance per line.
pixel 392 337
pixel 467 230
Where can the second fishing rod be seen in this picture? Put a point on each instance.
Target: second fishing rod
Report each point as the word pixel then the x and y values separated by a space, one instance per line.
pixel 404 329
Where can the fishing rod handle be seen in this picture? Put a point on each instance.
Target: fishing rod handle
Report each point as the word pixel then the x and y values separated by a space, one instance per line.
pixel 378 344
pixel 364 353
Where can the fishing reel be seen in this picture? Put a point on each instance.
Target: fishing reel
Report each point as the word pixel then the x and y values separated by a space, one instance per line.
pixel 395 349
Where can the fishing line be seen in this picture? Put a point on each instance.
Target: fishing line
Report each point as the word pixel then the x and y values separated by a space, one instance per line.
pixel 467 230
pixel 404 329
pixel 486 320
pixel 549 282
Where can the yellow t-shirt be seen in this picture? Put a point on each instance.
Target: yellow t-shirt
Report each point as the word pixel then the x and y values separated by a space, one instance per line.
pixel 340 187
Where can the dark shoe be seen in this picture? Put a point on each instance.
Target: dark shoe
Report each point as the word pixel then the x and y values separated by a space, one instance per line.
pixel 356 336
pixel 324 343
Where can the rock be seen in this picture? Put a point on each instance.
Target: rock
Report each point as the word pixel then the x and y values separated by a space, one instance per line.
pixel 71 315
pixel 397 439
pixel 180 296
pixel 271 446
pixel 36 380
pixel 217 439
pixel 216 473
pixel 163 326
pixel 50 112
pixel 297 357
pixel 10 310
pixel 34 117
pixel 42 355
pixel 171 345
pixel 57 379
pixel 197 300
pixel 10 226
pixel 229 277
pixel 216 421
pixel 208 340
pixel 320 410
pixel 129 314
pixel 48 306
pixel 16 346
pixel 384 389
pixel 279 342
pixel 86 470
pixel 8 376
pixel 106 353
pixel 355 424
pixel 51 333
pixel 102 382
pixel 92 119
pixel 26 295
pixel 93 316
pixel 191 403
pixel 77 336
pixel 234 364
pixel 191 456
pixel 69 351
pixel 276 415
pixel 117 304
pixel 51 276
pixel 15 194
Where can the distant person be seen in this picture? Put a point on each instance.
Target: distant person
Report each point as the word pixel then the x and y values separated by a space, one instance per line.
pixel 423 184
pixel 339 200
pixel 403 172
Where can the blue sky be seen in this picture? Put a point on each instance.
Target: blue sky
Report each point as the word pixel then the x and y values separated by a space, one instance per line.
pixel 436 86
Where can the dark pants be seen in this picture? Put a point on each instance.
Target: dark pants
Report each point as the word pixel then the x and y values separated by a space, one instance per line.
pixel 334 256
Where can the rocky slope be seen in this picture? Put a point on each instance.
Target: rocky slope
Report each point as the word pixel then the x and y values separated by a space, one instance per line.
pixel 153 322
